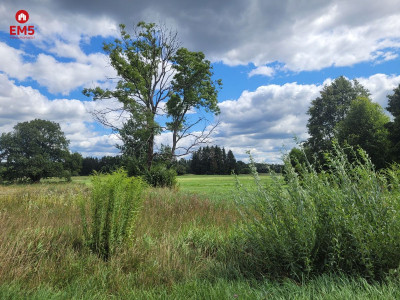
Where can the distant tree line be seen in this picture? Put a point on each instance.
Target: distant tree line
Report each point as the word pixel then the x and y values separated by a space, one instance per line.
pixel 105 164
pixel 209 160
pixel 214 160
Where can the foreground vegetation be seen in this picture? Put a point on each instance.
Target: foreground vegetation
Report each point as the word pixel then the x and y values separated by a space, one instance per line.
pixel 344 219
pixel 42 254
pixel 197 246
pixel 42 246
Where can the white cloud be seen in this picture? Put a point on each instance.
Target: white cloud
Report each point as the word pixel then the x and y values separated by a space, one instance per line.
pixel 11 61
pixel 265 107
pixel 301 35
pixel 62 49
pixel 65 77
pixel 266 121
pixel 380 85
pixel 19 104
pixel 56 76
pixel 263 71
pixel 330 34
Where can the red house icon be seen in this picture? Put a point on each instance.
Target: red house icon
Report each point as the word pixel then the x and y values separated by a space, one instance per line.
pixel 22 17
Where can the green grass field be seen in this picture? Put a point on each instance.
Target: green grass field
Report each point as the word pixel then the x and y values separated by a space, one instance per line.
pixel 173 256
pixel 216 187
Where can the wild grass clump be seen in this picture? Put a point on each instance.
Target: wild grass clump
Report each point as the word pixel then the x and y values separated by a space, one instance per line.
pixel 345 219
pixel 114 204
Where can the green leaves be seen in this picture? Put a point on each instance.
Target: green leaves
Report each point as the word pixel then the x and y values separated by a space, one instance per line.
pixel 192 88
pixel 151 70
pixel 142 62
pixel 34 150
pixel 394 126
pixel 364 126
pixel 193 84
pixel 114 206
pixel 329 109
pixel 344 219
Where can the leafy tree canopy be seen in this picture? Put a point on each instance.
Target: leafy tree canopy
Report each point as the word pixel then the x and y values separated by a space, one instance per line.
pixel 155 74
pixel 34 150
pixel 329 109
pixel 364 126
pixel 394 126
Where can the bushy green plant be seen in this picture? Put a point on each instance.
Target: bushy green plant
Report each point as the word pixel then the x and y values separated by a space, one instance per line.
pixel 66 174
pixel 160 176
pixel 343 219
pixel 114 205
pixel 180 170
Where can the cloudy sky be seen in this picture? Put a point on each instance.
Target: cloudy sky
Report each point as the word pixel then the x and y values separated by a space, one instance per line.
pixel 272 56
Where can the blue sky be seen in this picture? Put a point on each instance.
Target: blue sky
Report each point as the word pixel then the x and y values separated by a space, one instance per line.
pixel 273 58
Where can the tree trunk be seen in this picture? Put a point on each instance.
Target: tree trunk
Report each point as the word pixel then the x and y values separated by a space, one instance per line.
pixel 150 149
pixel 174 135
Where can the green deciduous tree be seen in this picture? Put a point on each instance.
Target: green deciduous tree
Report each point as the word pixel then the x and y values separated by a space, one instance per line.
pixel 364 126
pixel 73 163
pixel 329 109
pixel 394 126
pixel 154 74
pixel 192 88
pixel 298 158
pixel 143 64
pixel 34 150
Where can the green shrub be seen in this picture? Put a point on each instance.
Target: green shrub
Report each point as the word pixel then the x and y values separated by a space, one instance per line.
pixel 114 205
pixel 245 171
pixel 161 176
pixel 344 219
pixel 66 174
pixel 181 170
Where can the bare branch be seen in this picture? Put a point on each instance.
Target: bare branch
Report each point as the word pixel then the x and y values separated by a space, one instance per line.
pixel 200 139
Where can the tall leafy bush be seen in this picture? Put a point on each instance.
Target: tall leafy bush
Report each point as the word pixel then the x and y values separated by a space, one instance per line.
pixel 344 219
pixel 114 205
pixel 160 176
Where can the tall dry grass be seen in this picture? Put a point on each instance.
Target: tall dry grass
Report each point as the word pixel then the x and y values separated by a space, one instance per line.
pixel 41 241
pixel 40 225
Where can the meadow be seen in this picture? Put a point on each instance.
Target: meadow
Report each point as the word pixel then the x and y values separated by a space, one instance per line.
pixel 182 249
pixel 215 187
